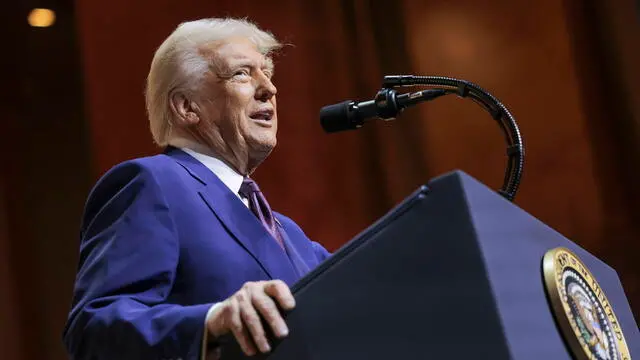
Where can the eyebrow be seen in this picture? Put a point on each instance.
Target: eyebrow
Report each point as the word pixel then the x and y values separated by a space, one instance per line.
pixel 267 63
pixel 240 62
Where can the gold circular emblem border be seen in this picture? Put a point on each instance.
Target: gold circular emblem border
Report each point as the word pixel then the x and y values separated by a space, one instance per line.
pixel 553 270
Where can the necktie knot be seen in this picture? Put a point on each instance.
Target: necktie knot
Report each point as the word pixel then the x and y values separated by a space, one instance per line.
pixel 248 187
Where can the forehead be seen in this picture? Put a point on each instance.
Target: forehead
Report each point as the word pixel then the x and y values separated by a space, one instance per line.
pixel 233 51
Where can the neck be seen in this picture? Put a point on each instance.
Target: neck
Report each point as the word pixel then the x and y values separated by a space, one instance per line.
pixel 182 142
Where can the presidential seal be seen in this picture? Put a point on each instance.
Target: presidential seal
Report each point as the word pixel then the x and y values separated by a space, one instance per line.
pixel 581 308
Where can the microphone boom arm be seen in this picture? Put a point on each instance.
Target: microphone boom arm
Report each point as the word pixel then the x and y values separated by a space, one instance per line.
pixel 508 125
pixel 387 104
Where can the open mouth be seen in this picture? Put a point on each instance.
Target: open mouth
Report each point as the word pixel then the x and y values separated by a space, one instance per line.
pixel 262 115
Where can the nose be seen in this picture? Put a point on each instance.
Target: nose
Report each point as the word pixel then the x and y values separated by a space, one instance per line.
pixel 266 89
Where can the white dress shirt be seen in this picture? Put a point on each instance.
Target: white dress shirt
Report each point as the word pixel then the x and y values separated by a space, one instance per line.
pixel 231 178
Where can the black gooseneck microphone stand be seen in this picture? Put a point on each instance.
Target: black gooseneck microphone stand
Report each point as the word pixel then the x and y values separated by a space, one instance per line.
pixel 387 104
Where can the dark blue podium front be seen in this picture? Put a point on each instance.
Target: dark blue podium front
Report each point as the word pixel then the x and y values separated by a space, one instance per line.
pixel 453 272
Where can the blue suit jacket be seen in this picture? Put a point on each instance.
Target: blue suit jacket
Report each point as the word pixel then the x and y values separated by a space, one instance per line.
pixel 162 239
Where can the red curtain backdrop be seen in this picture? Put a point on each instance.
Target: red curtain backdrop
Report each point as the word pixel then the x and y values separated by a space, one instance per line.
pixel 9 318
pixel 335 185
pixel 566 70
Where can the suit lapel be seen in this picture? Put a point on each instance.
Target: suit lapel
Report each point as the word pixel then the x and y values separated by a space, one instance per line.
pixel 239 221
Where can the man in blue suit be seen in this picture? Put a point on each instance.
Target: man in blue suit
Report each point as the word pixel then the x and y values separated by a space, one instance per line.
pixel 181 248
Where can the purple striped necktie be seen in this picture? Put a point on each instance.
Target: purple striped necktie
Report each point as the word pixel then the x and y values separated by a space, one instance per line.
pixel 260 207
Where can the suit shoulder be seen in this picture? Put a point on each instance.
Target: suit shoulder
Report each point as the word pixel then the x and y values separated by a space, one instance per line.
pixel 147 172
pixel 144 167
pixel 282 218
pixel 286 221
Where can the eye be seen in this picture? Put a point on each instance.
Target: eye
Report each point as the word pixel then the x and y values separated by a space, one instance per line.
pixel 268 73
pixel 241 73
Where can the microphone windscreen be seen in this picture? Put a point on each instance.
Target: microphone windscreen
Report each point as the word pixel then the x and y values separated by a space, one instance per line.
pixel 336 117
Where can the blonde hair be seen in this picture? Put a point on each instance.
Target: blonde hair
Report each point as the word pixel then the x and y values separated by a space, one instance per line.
pixel 178 64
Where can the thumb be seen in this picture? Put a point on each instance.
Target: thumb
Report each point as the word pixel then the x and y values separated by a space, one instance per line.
pixel 216 318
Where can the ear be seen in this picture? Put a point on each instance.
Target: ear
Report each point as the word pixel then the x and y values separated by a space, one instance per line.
pixel 186 111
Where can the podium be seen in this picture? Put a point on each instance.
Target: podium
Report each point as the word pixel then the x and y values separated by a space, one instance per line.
pixel 456 271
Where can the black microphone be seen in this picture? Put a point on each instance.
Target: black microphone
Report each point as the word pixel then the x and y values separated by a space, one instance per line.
pixel 349 115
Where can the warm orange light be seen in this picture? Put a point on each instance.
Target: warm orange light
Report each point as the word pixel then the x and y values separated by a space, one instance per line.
pixel 41 17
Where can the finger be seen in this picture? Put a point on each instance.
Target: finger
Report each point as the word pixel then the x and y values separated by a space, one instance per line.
pixel 269 311
pixel 280 291
pixel 252 321
pixel 240 332
pixel 216 320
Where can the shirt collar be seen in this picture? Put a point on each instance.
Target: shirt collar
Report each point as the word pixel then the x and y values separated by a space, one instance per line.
pixel 226 174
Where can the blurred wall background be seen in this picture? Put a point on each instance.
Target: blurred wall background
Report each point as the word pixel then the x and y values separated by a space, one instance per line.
pixel 72 106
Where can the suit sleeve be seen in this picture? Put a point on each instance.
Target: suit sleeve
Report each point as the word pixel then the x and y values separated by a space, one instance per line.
pixel 128 261
pixel 321 253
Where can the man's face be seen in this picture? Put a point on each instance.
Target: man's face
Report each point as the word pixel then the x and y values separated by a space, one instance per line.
pixel 239 118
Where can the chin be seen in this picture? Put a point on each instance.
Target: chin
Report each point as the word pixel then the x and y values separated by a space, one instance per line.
pixel 262 147
pixel 258 152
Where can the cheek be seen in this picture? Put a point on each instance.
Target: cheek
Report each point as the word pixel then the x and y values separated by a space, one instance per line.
pixel 215 114
pixel 242 96
pixel 240 105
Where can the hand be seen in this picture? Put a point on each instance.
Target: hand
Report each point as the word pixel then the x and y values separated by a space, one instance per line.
pixel 241 314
